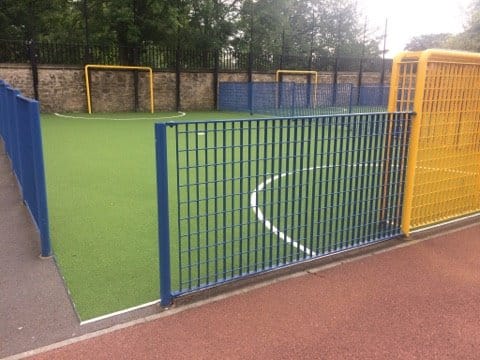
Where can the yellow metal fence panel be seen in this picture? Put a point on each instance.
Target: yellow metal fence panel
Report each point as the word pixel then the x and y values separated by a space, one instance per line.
pixel 443 175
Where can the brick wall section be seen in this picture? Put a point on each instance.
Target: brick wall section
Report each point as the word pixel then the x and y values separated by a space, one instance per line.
pixel 196 91
pixel 62 89
pixel 18 76
pixel 164 91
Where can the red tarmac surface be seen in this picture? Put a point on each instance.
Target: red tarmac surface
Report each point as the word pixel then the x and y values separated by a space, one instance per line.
pixel 420 301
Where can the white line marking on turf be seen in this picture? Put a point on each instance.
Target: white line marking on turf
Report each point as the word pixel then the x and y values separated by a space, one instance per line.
pixel 179 115
pixel 268 224
pixel 120 312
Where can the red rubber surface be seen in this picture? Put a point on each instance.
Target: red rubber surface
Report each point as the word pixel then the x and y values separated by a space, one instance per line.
pixel 417 302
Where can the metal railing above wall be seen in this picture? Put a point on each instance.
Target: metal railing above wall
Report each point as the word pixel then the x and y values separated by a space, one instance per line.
pixel 162 58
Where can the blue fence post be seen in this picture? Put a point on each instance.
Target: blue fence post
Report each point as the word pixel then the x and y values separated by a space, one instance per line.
pixel 163 216
pixel 39 177
pixel 3 109
pixel 293 99
pixel 250 97
pixel 351 99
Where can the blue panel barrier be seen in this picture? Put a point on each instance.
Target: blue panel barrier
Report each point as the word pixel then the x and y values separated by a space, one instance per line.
pixel 241 197
pixel 300 99
pixel 21 134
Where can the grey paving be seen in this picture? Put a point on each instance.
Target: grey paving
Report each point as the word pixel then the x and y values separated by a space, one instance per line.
pixel 34 306
pixel 35 309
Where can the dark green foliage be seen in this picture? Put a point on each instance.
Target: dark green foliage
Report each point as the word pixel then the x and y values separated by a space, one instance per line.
pixel 306 28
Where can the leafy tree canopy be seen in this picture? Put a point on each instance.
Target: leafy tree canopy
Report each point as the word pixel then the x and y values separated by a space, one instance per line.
pixel 315 27
pixel 468 40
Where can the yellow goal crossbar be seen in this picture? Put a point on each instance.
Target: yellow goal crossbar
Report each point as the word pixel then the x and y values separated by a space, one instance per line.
pixel 117 67
pixel 296 72
pixel 300 72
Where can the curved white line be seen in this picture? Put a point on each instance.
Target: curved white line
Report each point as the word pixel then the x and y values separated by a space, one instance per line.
pixel 180 114
pixel 268 224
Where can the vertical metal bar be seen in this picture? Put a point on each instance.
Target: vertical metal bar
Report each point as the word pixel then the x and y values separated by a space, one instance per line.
pixel 273 173
pixel 295 187
pixel 280 159
pixel 39 182
pixel 32 51
pixel 334 220
pixel 355 178
pixel 257 181
pixel 288 191
pixel 179 212
pixel 150 82
pixel 197 206
pixel 301 195
pixel 293 99
pixel 87 87
pixel 249 174
pixel 216 195
pixel 233 222
pixel 216 55
pixel 206 201
pixel 224 197
pixel 178 69
pixel 414 142
pixel 163 214
pixel 347 182
pixel 314 230
pixel 365 167
pixel 350 100
pixel 265 197
pixel 308 183
pixel 375 174
pixel 341 215
pixel 189 204
pixel 323 214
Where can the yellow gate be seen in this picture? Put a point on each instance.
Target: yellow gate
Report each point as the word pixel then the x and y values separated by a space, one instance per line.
pixel 443 170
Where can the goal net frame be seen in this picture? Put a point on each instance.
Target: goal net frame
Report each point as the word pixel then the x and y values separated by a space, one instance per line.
pixel 281 72
pixel 116 67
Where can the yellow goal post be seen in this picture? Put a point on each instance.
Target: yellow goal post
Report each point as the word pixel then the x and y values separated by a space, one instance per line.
pixel 279 73
pixel 116 67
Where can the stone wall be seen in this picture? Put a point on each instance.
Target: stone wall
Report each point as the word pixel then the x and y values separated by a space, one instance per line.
pixel 62 89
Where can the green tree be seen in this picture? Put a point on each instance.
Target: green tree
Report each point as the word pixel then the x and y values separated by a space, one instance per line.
pixel 469 39
pixel 32 19
pixel 430 41
pixel 320 27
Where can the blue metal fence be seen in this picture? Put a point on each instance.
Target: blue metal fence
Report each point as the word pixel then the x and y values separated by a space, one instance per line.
pixel 21 134
pixel 293 99
pixel 242 197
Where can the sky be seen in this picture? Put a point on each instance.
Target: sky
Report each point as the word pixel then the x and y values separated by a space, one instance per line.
pixel 409 18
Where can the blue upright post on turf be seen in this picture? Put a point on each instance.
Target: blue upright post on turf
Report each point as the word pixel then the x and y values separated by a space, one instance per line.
pixel 163 217
pixel 350 100
pixel 250 97
pixel 39 178
pixel 293 99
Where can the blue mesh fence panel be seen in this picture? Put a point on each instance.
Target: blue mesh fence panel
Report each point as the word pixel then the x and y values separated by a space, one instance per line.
pixel 247 196
pixel 21 134
pixel 233 96
pixel 373 96
pixel 288 98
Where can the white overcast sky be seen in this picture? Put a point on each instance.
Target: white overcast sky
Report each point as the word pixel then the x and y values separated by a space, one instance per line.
pixel 409 18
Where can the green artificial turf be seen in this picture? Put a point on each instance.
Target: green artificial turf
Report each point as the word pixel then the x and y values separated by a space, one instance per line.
pixel 101 184
pixel 101 187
